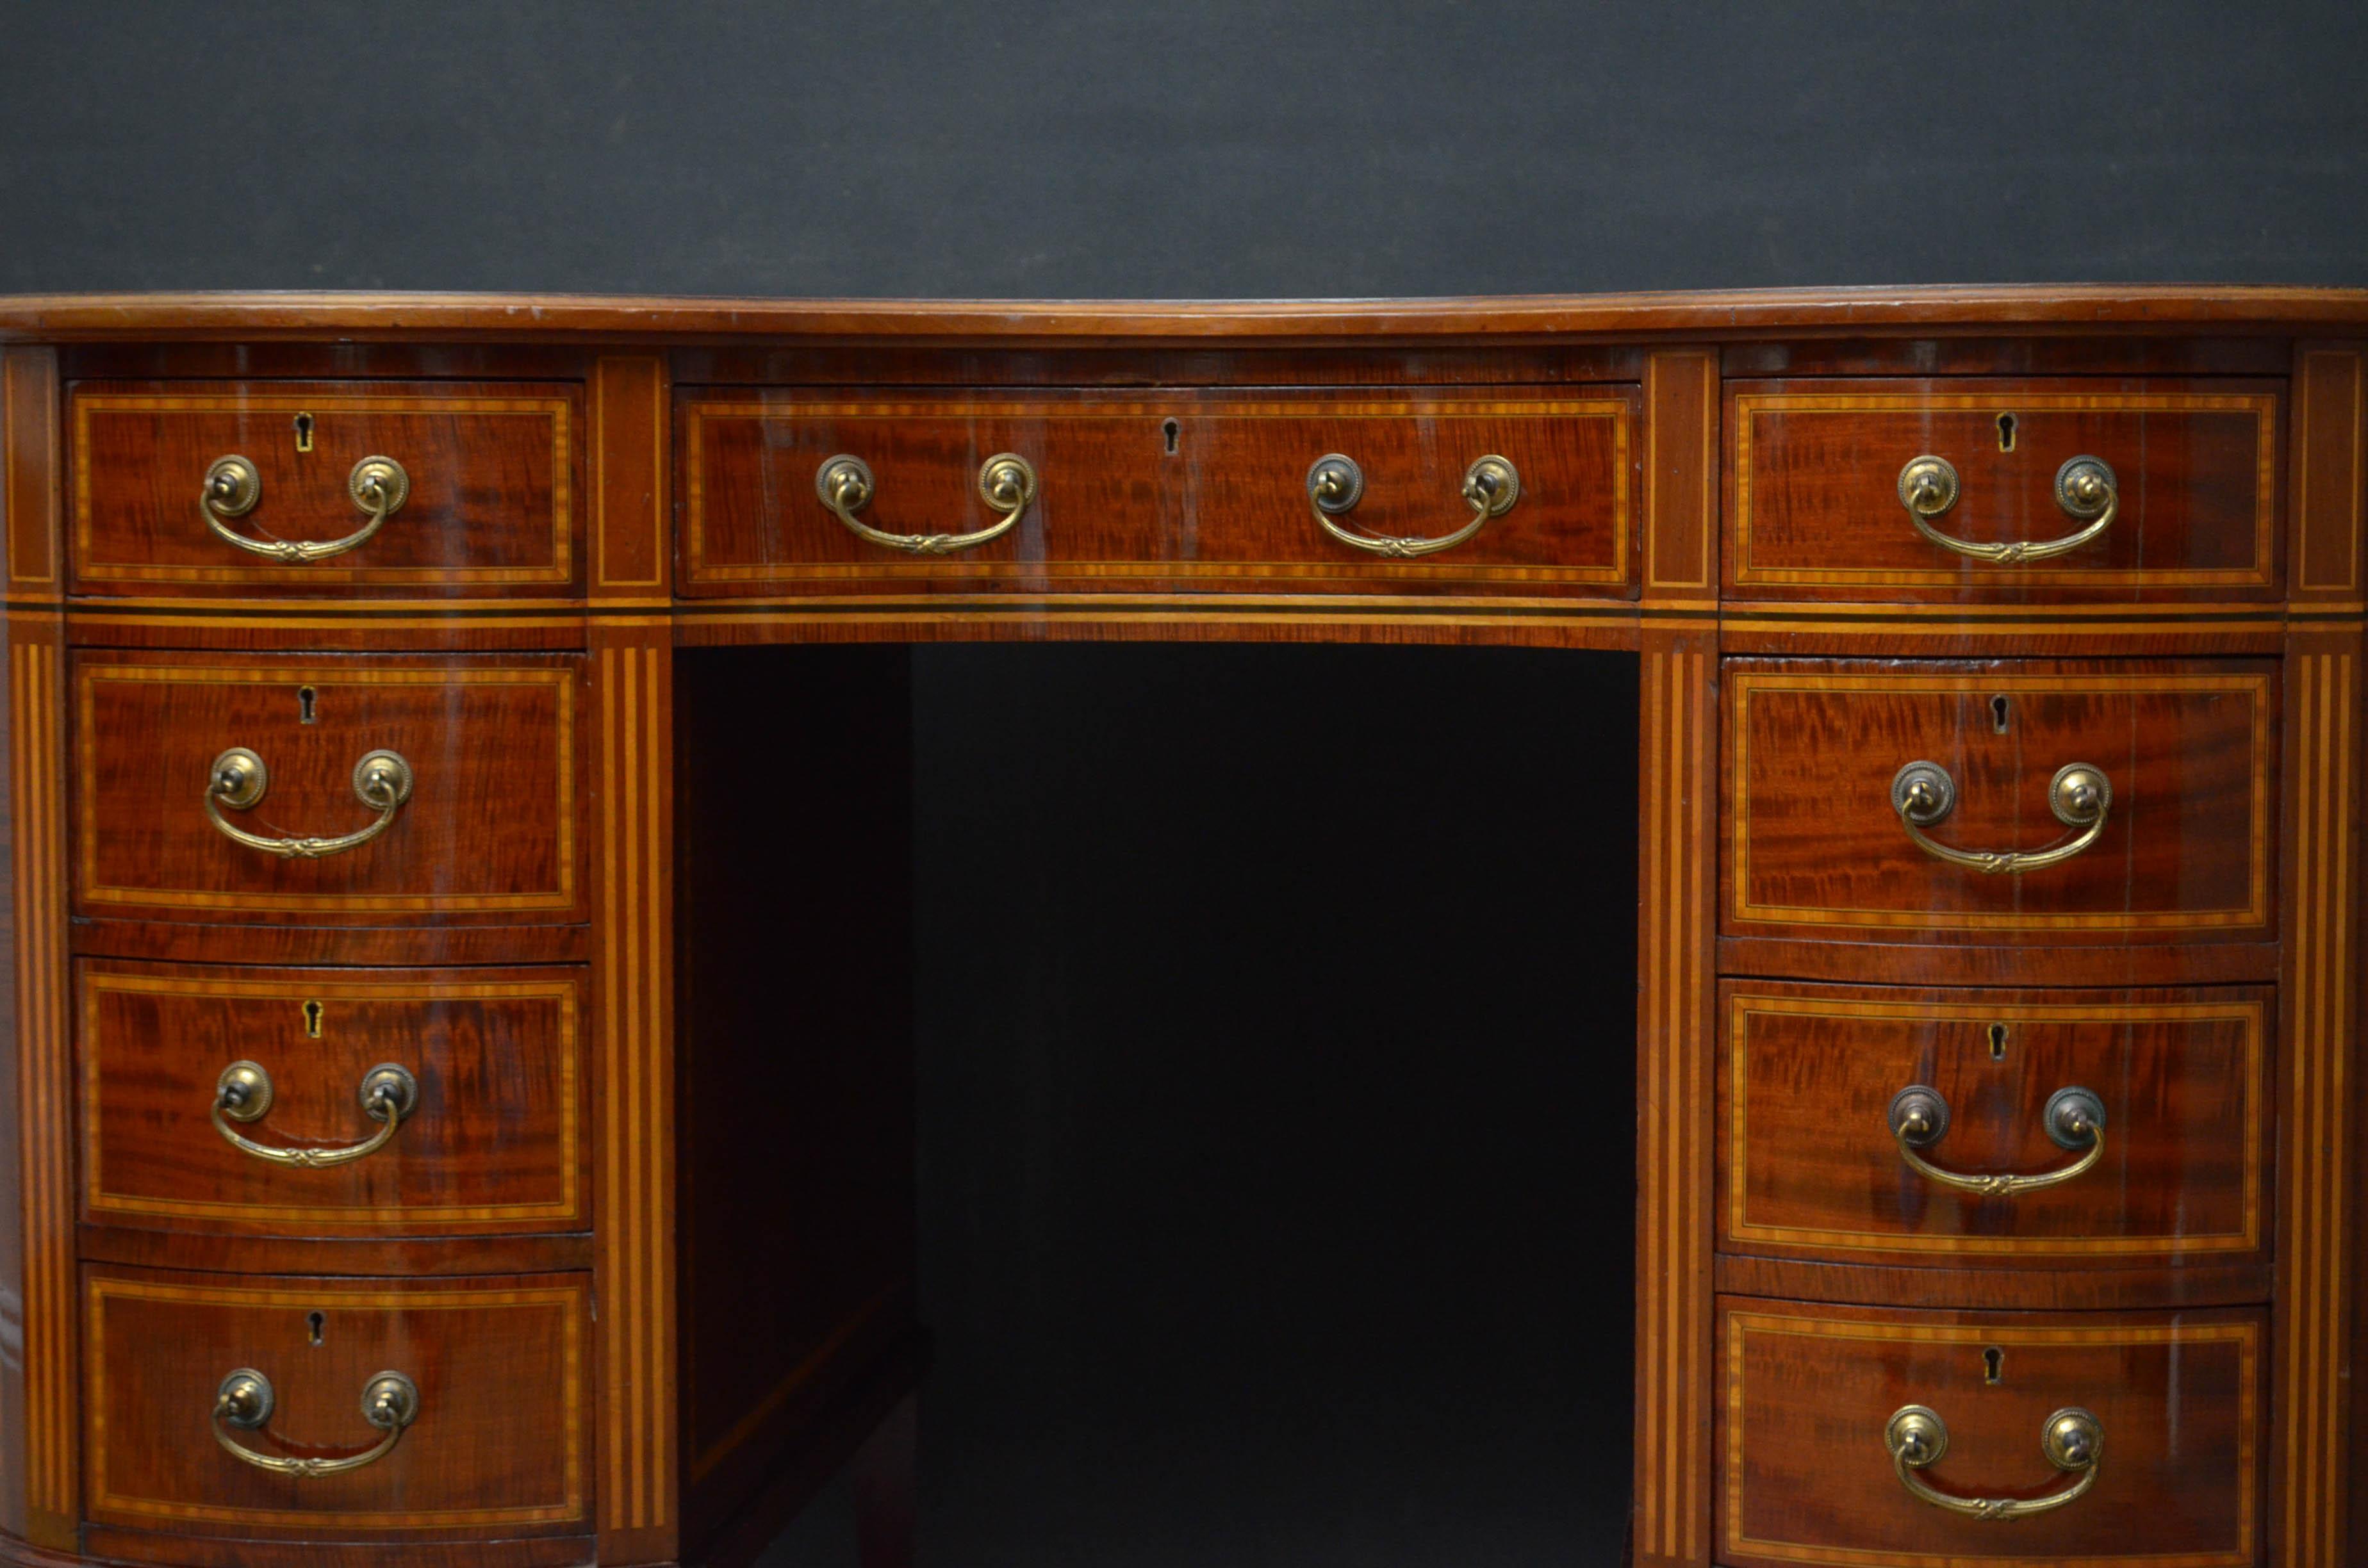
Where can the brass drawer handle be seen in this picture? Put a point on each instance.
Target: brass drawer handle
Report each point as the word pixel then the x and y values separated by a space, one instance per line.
pixel 2071 1440
pixel 244 1093
pixel 378 485
pixel 2085 488
pixel 1006 481
pixel 390 1404
pixel 2075 1119
pixel 382 781
pixel 1335 484
pixel 2080 795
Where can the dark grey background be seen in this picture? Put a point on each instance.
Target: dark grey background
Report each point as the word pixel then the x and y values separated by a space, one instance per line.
pixel 1177 147
pixel 1141 1222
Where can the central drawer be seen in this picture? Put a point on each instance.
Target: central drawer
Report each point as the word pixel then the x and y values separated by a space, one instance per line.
pixel 480 1070
pixel 1144 490
pixel 497 1404
pixel 328 788
pixel 2001 800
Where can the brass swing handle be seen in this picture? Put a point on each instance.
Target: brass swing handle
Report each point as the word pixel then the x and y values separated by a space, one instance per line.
pixel 382 781
pixel 378 485
pixel 2071 1440
pixel 2085 488
pixel 1007 483
pixel 390 1404
pixel 2075 1119
pixel 1335 484
pixel 2080 795
pixel 244 1093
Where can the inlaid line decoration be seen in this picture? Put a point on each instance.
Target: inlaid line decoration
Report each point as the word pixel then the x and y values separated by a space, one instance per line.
pixel 2315 1315
pixel 636 1108
pixel 554 409
pixel 1672 1505
pixel 2262 406
pixel 46 1094
pixel 1616 572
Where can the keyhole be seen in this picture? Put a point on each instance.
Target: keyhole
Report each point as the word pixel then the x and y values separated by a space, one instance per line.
pixel 1993 1366
pixel 305 697
pixel 312 1020
pixel 1997 714
pixel 1997 1042
pixel 315 1321
pixel 1170 430
pixel 303 432
pixel 2005 432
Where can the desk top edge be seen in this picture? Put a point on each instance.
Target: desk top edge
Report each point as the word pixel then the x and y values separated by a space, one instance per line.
pixel 37 318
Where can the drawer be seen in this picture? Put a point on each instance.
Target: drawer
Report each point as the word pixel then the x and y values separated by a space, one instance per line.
pixel 1816 749
pixel 1815 507
pixel 496 1439
pixel 487 832
pixel 488 1129
pixel 489 474
pixel 1810 1397
pixel 1177 490
pixel 1824 1083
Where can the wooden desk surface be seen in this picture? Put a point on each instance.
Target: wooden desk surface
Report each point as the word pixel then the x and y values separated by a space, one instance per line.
pixel 2002 714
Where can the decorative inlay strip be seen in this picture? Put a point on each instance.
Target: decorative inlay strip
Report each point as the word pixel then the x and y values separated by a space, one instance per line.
pixel 636 1110
pixel 44 1092
pixel 1675 1095
pixel 2314 1317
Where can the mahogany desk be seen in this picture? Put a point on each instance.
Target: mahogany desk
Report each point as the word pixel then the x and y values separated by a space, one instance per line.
pixel 2000 825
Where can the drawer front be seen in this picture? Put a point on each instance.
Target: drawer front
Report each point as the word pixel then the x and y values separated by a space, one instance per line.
pixel 1173 490
pixel 490 473
pixel 497 1441
pixel 487 831
pixel 1810 1477
pixel 1816 846
pixel 1823 1083
pixel 488 1129
pixel 1816 507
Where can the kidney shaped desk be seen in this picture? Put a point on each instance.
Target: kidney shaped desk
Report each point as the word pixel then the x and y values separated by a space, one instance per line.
pixel 1998 825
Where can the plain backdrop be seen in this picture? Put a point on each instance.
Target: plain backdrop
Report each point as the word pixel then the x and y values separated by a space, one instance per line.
pixel 1278 1173
pixel 1177 147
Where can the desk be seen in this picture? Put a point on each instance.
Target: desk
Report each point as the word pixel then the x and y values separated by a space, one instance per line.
pixel 1999 813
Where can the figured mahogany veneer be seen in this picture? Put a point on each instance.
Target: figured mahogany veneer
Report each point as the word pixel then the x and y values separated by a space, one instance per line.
pixel 500 1445
pixel 490 831
pixel 1806 1477
pixel 1181 489
pixel 495 1144
pixel 1813 843
pixel 645 1327
pixel 1814 509
pixel 494 471
pixel 1809 1168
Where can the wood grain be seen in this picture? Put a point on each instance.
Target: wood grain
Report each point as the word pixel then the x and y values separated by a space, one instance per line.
pixel 1676 1071
pixel 634 934
pixel 1814 509
pixel 490 830
pixel 2187 853
pixel 499 1444
pixel 1181 489
pixel 2318 1124
pixel 1807 1480
pixel 495 1144
pixel 1808 1167
pixel 560 317
pixel 496 471
pixel 45 1415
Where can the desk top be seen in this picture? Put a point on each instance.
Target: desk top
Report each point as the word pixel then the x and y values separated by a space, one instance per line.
pixel 557 317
